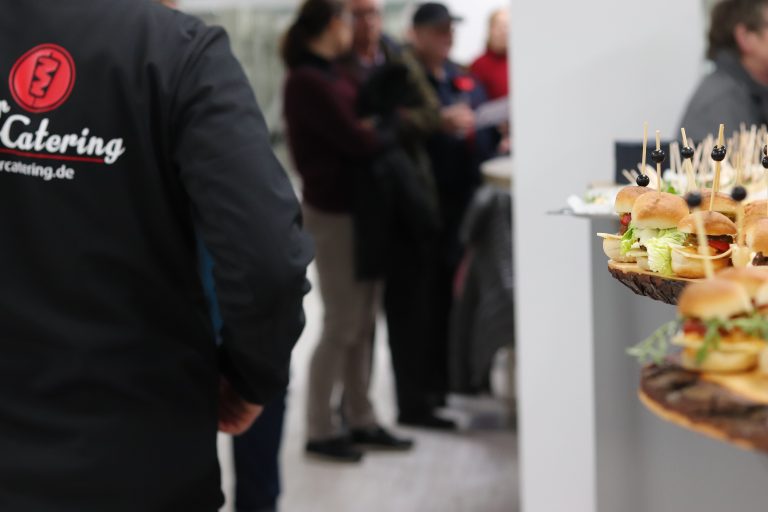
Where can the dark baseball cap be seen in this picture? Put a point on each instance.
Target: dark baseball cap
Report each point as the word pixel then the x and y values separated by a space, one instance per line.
pixel 433 13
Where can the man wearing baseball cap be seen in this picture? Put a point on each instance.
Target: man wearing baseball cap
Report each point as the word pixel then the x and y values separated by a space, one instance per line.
pixel 456 152
pixel 128 131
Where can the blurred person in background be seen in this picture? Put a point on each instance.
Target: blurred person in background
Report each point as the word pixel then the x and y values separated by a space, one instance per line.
pixel 456 152
pixel 329 144
pixel 737 90
pixel 492 68
pixel 111 388
pixel 396 207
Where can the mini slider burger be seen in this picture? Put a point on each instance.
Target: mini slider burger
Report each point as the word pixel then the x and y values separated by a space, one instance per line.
pixel 720 232
pixel 757 241
pixel 721 332
pixel 723 203
pixel 755 211
pixel 653 231
pixel 625 200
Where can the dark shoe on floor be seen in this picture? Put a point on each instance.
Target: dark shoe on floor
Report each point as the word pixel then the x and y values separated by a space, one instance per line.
pixel 377 438
pixel 426 420
pixel 337 449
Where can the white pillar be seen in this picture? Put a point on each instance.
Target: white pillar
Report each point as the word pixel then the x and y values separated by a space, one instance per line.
pixel 584 75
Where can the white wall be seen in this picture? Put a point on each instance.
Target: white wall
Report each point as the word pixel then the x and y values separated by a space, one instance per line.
pixel 585 74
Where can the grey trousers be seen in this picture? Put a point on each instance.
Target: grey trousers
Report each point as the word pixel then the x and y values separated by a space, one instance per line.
pixel 342 357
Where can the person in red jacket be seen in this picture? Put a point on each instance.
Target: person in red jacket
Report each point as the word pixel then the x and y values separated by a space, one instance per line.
pixel 492 68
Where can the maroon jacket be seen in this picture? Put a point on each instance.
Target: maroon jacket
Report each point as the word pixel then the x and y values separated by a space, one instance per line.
pixel 327 140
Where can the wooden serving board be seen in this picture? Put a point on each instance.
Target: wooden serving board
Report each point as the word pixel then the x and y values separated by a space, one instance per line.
pixel 648 284
pixel 728 408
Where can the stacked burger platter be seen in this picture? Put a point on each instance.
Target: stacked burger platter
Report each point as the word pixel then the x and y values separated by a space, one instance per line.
pixel 707 252
pixel 659 249
pixel 707 371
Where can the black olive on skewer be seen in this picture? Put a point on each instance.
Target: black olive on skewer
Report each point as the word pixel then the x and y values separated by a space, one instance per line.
pixel 643 180
pixel 739 193
pixel 765 162
pixel 718 153
pixel 687 152
pixel 693 199
pixel 658 156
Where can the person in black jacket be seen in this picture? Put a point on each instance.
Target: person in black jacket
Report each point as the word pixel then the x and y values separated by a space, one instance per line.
pixel 127 131
pixel 396 212
pixel 736 91
pixel 456 153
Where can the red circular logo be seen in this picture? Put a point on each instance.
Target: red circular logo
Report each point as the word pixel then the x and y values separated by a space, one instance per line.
pixel 42 79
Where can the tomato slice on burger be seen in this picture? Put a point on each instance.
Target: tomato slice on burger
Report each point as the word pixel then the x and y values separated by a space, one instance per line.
pixel 694 326
pixel 719 245
pixel 626 219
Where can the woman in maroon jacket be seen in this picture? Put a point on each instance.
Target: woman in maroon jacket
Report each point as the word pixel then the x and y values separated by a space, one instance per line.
pixel 329 144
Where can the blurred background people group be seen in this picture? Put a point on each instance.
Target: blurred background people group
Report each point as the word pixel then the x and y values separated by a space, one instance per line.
pixel 383 136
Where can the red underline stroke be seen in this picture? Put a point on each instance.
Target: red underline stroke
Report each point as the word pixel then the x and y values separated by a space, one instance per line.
pixel 53 157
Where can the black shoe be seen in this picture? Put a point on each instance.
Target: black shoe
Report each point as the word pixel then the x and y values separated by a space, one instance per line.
pixel 337 449
pixel 377 438
pixel 426 420
pixel 437 400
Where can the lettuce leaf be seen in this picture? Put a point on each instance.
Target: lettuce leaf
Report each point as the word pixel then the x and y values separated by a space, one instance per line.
pixel 660 250
pixel 643 235
pixel 656 346
pixel 627 239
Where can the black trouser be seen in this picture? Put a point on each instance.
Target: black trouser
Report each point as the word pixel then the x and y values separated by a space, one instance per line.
pixel 257 454
pixel 418 360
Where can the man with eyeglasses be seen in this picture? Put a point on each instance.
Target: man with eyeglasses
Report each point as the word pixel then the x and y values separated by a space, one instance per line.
pixel 737 90
pixel 456 152
pixel 393 83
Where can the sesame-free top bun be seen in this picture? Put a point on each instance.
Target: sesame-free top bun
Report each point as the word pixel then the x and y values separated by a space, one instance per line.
pixel 658 210
pixel 723 202
pixel 627 196
pixel 715 224
pixel 751 278
pixel 757 236
pixel 714 298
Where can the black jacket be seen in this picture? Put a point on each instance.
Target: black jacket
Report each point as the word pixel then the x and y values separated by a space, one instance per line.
pixel 394 210
pixel 127 130
pixel 483 316
pixel 395 197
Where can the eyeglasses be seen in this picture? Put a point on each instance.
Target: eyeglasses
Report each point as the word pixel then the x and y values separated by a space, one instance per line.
pixel 347 17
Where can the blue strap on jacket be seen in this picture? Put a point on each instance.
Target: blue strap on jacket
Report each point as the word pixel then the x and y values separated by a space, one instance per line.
pixel 206 275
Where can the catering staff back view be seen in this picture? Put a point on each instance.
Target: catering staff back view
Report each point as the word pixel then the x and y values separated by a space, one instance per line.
pixel 127 131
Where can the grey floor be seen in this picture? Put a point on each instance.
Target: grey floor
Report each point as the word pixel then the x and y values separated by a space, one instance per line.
pixel 471 471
